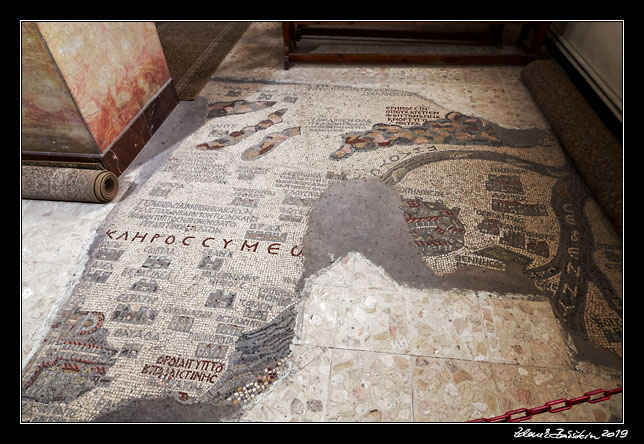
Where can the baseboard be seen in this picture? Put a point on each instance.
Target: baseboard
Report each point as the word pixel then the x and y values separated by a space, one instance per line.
pixel 589 84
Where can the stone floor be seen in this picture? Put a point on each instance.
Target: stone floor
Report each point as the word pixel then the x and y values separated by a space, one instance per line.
pixel 366 347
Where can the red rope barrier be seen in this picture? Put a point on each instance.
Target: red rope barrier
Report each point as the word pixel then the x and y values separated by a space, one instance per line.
pixel 555 406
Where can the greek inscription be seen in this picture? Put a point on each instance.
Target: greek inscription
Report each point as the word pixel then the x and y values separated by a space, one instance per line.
pixel 409 115
pixel 163 189
pixel 395 158
pixel 275 296
pixel 465 260
pixel 252 247
pixel 146 335
pixel 198 167
pixel 137 298
pixel 187 312
pixel 335 124
pixel 146 272
pixel 298 201
pixel 290 218
pixel 175 367
pixel 330 175
pixel 266 236
pixel 245 202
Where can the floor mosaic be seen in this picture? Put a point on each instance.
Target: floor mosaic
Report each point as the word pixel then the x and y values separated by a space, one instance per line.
pixel 193 290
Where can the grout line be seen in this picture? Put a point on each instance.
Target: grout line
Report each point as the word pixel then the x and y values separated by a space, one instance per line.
pixel 448 358
pixel 325 412
pixel 411 364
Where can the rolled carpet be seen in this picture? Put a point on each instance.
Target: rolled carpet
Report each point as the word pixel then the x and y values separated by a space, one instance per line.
pixel 590 145
pixel 68 184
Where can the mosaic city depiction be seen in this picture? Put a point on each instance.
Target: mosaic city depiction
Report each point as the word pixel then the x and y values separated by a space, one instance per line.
pixel 192 292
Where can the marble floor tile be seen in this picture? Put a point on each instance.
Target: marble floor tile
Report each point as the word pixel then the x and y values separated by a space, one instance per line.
pixel 317 322
pixel 535 386
pixel 301 397
pixel 450 390
pixel 447 325
pixel 376 320
pixel 521 386
pixel 610 410
pixel 368 275
pixel 523 332
pixel 338 274
pixel 302 355
pixel 369 387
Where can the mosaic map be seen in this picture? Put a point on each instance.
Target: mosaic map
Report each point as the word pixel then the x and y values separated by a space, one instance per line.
pixel 192 292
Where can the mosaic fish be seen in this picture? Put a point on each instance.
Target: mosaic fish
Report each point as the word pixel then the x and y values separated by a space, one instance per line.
pixel 235 137
pixel 454 129
pixel 221 109
pixel 268 143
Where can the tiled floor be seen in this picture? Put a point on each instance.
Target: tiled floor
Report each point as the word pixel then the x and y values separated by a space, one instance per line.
pixel 368 349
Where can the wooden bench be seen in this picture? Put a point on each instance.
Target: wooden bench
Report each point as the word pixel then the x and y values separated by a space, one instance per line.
pixel 530 41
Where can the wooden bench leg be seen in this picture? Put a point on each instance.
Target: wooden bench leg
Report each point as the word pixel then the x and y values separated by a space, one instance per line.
pixel 540 32
pixel 496 32
pixel 287 34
